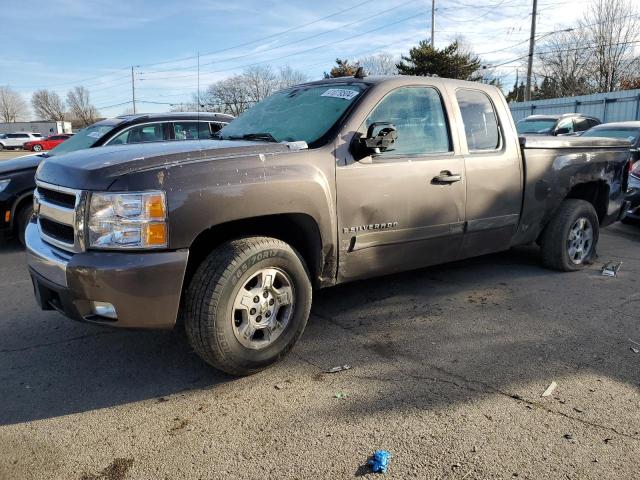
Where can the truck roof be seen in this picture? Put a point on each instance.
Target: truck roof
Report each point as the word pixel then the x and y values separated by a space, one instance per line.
pixel 402 80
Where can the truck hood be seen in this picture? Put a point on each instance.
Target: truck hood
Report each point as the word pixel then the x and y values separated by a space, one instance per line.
pixel 20 163
pixel 98 168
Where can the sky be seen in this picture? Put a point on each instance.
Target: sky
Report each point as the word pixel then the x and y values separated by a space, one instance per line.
pixel 59 44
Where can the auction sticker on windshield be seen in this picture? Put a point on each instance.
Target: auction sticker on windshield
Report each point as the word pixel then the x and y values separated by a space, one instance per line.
pixel 340 93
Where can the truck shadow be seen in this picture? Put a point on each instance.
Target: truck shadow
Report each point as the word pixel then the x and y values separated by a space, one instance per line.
pixel 498 320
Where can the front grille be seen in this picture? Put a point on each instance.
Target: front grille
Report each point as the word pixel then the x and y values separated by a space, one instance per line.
pixel 57 231
pixel 58 198
pixel 57 210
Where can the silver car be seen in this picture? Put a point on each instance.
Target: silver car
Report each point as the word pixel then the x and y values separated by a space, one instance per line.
pixel 17 139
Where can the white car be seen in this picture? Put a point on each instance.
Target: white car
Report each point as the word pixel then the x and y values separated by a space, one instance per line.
pixel 17 139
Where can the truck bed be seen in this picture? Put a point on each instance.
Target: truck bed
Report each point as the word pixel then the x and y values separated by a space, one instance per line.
pixel 553 165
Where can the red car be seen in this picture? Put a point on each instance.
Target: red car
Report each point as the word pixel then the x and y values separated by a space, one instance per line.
pixel 46 143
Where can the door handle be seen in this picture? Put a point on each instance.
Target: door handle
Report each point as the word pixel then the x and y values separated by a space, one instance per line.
pixel 446 177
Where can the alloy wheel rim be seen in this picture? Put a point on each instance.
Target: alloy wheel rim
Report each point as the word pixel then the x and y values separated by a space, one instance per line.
pixel 262 308
pixel 580 241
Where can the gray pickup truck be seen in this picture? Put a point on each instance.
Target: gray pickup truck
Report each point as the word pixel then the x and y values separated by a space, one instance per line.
pixel 320 184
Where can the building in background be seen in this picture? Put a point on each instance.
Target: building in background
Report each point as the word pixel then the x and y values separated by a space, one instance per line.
pixel 43 127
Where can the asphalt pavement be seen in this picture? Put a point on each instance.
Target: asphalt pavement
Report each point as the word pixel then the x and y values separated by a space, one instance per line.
pixel 448 368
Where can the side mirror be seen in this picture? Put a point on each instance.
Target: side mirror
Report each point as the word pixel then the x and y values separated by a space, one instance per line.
pixel 380 136
pixel 562 131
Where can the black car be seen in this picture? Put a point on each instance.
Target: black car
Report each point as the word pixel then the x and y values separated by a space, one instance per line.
pixel 17 176
pixel 566 124
pixel 631 132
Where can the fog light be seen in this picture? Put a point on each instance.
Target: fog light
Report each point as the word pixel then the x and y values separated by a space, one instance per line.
pixel 104 309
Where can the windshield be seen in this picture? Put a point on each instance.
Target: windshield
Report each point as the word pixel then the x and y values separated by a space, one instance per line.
pixel 629 134
pixel 304 113
pixel 85 138
pixel 535 126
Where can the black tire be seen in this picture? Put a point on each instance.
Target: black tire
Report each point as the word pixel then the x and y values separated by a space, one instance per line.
pixel 22 220
pixel 1 147
pixel 37 148
pixel 555 238
pixel 208 306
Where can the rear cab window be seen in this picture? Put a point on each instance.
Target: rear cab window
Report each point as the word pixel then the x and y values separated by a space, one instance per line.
pixel 480 120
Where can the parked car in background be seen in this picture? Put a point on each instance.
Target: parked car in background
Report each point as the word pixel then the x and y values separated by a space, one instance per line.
pixel 18 139
pixel 566 124
pixel 17 175
pixel 629 131
pixel 46 143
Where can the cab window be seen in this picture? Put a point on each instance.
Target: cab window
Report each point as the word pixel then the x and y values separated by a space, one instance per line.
pixel 480 120
pixel 566 123
pixel 140 134
pixel 185 130
pixel 419 118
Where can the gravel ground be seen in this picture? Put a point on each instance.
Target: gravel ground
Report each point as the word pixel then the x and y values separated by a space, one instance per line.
pixel 449 364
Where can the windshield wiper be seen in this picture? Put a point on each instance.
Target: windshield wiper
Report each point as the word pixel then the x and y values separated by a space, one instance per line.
pixel 259 136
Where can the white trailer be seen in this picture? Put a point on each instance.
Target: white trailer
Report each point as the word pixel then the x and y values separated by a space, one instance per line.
pixel 42 127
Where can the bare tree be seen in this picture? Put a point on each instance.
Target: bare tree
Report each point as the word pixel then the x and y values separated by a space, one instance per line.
pixel 380 64
pixel 80 106
pixel 229 96
pixel 567 69
pixel 260 82
pixel 47 105
pixel 13 108
pixel 287 77
pixel 611 28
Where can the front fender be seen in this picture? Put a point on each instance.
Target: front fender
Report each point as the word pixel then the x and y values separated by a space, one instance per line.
pixel 203 194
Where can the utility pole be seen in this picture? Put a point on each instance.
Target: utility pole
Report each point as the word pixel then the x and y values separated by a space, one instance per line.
pixel 198 82
pixel 532 45
pixel 433 23
pixel 133 90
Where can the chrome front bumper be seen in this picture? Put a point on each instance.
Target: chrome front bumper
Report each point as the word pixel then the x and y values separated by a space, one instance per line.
pixel 49 262
pixel 143 288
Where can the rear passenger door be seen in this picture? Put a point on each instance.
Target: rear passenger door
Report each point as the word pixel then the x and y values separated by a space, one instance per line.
pixel 393 213
pixel 494 174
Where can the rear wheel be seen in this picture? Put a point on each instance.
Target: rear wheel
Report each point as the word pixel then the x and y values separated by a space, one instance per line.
pixel 22 220
pixel 247 304
pixel 569 241
pixel 1 147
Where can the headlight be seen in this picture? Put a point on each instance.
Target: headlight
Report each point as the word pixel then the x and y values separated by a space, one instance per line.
pixel 4 184
pixel 128 220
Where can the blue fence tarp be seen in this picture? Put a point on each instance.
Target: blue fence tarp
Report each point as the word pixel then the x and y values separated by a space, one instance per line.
pixel 608 107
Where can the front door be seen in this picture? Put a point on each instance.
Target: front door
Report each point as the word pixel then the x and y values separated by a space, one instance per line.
pixel 402 208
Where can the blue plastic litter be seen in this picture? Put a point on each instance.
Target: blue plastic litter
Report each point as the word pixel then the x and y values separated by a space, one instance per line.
pixel 380 461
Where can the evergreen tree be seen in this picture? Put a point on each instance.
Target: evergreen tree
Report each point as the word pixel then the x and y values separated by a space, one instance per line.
pixel 449 62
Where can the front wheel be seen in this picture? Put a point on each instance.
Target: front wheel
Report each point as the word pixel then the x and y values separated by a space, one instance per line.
pixel 569 240
pixel 247 304
pixel 37 148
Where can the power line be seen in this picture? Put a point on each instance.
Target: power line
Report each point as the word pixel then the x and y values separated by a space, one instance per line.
pixel 564 50
pixel 238 57
pixel 283 32
pixel 292 54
